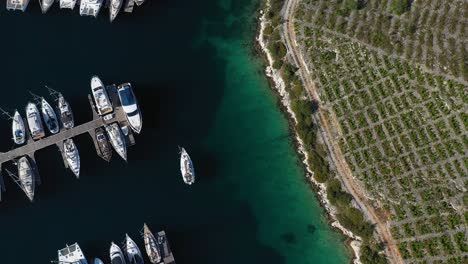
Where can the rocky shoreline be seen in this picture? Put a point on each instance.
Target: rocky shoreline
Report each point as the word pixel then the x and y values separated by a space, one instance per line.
pixel 279 86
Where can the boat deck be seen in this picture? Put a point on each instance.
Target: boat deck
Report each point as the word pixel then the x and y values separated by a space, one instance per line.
pixel 30 148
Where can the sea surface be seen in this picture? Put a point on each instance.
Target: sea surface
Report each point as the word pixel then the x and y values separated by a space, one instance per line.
pixel 200 85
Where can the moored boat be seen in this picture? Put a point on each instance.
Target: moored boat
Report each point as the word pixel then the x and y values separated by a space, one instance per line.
pixel 116 254
pixel 117 139
pixel 98 261
pixel 103 104
pixel 66 114
pixel 50 118
pixel 186 167
pixel 34 121
pixel 90 7
pixel 18 129
pixel 70 4
pixel 114 8
pixel 133 252
pixel 139 2
pixel 103 144
pixel 151 245
pixel 26 177
pixel 72 156
pixel 46 5
pixel 130 106
pixel 17 4
pixel 71 255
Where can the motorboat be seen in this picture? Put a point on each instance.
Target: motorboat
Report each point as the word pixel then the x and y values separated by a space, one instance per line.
pixel 49 116
pixel 72 156
pixel 103 144
pixel 34 121
pixel 71 255
pixel 17 4
pixel 130 106
pixel 90 7
pixel 103 104
pixel 117 139
pixel 66 114
pixel 18 129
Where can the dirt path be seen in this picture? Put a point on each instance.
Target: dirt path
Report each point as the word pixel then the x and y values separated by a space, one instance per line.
pixel 334 151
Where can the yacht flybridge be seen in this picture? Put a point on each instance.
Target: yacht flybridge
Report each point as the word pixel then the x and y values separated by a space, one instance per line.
pixel 17 4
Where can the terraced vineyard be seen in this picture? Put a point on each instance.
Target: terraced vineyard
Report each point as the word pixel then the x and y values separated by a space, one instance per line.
pixel 392 75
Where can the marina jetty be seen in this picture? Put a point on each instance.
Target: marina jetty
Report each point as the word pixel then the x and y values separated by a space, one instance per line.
pixel 117 117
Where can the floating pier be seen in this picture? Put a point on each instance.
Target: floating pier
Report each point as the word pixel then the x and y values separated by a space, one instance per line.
pixel 31 147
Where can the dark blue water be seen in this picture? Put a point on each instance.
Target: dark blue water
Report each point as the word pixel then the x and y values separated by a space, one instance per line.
pixel 200 86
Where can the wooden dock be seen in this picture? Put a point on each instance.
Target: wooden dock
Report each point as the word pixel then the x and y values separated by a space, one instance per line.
pixel 30 148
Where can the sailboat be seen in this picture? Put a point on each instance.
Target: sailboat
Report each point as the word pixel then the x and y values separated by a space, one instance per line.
pixel 46 5
pixel 117 139
pixel 151 245
pixel 116 255
pixel 66 114
pixel 18 129
pixel 71 255
pixel 114 8
pixel 72 156
pixel 50 117
pixel 133 252
pixel 26 177
pixel 186 167
pixel 34 121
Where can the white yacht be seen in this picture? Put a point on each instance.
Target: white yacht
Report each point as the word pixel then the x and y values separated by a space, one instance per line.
pixel 18 129
pixel 50 118
pixel 130 106
pixel 151 245
pixel 71 255
pixel 17 4
pixel 101 98
pixel 117 139
pixel 114 8
pixel 72 156
pixel 90 7
pixel 186 167
pixel 133 252
pixel 116 255
pixel 34 121
pixel 66 114
pixel 46 5
pixel 70 4
pixel 26 177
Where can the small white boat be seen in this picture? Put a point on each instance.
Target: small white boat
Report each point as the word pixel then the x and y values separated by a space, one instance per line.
pixel 90 7
pixel 34 121
pixel 151 245
pixel 17 4
pixel 114 8
pixel 130 106
pixel 71 255
pixel 46 5
pixel 26 177
pixel 186 167
pixel 116 255
pixel 101 98
pixel 18 129
pixel 133 252
pixel 117 139
pixel 70 4
pixel 66 114
pixel 72 156
pixel 50 118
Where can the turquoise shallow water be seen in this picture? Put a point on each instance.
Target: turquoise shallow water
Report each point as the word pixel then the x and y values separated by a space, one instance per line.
pixel 201 86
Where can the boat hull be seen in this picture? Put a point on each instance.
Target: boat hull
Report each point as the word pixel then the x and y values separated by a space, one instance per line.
pixel 72 156
pixel 151 246
pixel 101 99
pixel 116 255
pixel 34 122
pixel 66 114
pixel 117 139
pixel 18 129
pixel 49 116
pixel 186 167
pixel 26 177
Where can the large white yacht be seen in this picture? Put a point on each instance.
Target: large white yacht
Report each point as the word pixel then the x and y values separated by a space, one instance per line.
pixel 90 7
pixel 46 5
pixel 50 118
pixel 34 121
pixel 71 255
pixel 72 156
pixel 18 129
pixel 130 106
pixel 114 8
pixel 26 177
pixel 70 4
pixel 151 245
pixel 17 4
pixel 186 167
pixel 66 114
pixel 133 252
pixel 117 139
pixel 101 98
pixel 116 255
